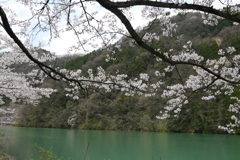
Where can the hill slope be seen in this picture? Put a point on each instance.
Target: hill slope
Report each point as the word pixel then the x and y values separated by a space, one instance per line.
pixel 116 111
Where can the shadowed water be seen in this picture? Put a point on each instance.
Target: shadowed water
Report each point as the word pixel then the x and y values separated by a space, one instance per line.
pixel 120 145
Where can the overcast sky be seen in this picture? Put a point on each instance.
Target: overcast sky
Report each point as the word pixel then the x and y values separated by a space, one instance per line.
pixel 60 46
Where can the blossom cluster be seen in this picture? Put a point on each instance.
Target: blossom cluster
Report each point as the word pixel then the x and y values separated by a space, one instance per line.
pixel 228 68
pixel 19 86
pixel 188 55
pixel 107 83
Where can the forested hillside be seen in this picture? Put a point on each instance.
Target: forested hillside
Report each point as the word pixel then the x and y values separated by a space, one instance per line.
pixel 115 110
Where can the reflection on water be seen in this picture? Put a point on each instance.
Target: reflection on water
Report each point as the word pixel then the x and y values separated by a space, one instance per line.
pixel 120 145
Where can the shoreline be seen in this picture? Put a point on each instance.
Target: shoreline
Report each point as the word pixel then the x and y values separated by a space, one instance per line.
pixel 15 125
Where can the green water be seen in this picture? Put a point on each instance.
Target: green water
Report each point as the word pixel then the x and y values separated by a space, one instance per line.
pixel 120 145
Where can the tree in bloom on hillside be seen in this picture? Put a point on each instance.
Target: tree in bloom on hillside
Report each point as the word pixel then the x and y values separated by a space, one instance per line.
pixel 103 21
pixel 19 86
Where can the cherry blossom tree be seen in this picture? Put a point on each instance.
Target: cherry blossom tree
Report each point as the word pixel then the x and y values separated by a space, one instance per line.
pixel 19 86
pixel 100 24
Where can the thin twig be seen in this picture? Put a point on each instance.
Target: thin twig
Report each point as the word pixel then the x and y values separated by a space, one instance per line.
pixel 86 151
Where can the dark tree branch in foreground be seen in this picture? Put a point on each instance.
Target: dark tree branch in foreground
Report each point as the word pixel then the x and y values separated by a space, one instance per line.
pixel 50 71
pixel 114 8
pixel 184 6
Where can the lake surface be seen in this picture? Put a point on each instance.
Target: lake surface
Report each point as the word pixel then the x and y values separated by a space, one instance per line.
pixel 120 145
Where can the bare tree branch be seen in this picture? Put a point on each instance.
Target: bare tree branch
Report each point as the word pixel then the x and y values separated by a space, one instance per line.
pixel 114 8
pixel 205 9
